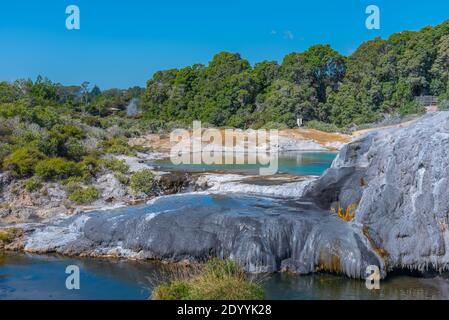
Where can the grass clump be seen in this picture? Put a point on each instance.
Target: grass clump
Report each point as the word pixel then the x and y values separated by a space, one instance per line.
pixel 33 184
pixel 142 181
pixel 84 195
pixel 122 178
pixel 7 235
pixel 22 162
pixel 326 127
pixel 116 165
pixel 217 280
pixel 57 169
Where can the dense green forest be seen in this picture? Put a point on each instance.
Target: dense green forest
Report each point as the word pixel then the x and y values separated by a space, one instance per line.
pixel 380 77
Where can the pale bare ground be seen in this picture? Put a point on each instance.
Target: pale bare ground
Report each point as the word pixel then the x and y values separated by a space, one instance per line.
pixel 359 133
pixel 161 142
pixel 329 141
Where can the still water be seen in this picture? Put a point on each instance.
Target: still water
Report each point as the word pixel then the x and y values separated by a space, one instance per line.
pixel 293 163
pixel 25 276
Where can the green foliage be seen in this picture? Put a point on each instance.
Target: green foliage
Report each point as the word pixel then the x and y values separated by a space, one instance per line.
pixel 117 146
pixel 72 184
pixel 116 165
pixel 326 127
pixel 52 169
pixel 33 184
pixel 122 178
pixel 91 165
pixel 380 77
pixel 22 161
pixel 84 195
pixel 9 234
pixel 217 280
pixel 142 181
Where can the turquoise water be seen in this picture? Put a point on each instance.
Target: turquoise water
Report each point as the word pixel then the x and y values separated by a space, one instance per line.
pixel 25 276
pixel 294 163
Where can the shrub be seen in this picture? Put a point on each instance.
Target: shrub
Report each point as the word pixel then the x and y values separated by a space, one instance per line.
pixel 90 165
pixel 5 150
pixel 142 181
pixel 71 184
pixel 57 169
pixel 275 126
pixel 44 116
pixel 218 280
pixel 74 150
pixel 8 235
pixel 33 184
pixel 326 127
pixel 123 179
pixel 117 146
pixel 84 195
pixel 23 161
pixel 116 165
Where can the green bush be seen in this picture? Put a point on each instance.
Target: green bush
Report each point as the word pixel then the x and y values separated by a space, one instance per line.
pixel 71 184
pixel 123 179
pixel 33 184
pixel 57 169
pixel 218 280
pixel 116 165
pixel 74 149
pixel 326 127
pixel 84 195
pixel 142 181
pixel 8 235
pixel 44 116
pixel 275 126
pixel 90 165
pixel 23 161
pixel 117 146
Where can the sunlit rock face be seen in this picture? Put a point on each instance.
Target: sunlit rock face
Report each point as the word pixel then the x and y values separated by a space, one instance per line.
pixel 261 234
pixel 399 178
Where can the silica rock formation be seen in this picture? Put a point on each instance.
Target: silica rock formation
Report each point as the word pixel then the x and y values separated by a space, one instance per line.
pixel 397 177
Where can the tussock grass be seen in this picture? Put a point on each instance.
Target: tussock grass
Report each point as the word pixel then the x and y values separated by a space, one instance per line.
pixel 7 235
pixel 216 280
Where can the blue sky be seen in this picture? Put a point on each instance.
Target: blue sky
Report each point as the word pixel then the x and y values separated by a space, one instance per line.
pixel 121 44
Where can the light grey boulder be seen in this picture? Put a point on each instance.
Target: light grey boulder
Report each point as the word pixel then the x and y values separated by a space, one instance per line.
pixel 399 178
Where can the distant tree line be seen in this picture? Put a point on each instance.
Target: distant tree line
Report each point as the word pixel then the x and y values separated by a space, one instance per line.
pixel 381 77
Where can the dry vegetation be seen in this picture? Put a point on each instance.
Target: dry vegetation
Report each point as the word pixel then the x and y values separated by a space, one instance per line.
pixel 346 214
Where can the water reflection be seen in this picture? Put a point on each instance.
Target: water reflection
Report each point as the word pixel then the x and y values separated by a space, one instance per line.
pixel 24 276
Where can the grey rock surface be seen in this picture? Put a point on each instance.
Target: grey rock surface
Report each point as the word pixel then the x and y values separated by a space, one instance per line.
pixel 261 234
pixel 399 178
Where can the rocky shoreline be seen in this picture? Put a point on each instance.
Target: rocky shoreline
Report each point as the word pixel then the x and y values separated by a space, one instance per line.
pixel 395 178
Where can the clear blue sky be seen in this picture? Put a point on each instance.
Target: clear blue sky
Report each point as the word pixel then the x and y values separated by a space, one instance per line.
pixel 121 44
